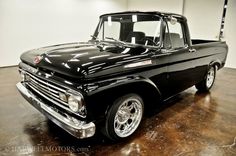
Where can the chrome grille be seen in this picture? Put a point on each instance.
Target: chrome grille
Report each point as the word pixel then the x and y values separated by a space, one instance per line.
pixel 46 88
pixel 49 91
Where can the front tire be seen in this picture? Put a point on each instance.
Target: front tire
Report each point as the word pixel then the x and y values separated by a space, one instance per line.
pixel 124 117
pixel 208 82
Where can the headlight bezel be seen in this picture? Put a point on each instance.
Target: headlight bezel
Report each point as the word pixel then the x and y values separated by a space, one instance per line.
pixel 76 102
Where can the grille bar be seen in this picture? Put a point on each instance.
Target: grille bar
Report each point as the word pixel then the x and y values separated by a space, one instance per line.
pixel 46 83
pixel 48 95
pixel 43 90
pixel 41 87
pixel 51 100
pixel 46 88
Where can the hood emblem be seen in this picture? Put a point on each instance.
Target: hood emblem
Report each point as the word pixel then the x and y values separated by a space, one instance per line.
pixel 37 59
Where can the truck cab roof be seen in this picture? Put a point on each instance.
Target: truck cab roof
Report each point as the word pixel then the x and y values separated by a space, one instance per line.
pixel 162 14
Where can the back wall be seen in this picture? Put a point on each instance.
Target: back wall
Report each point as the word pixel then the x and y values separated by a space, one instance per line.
pixel 27 24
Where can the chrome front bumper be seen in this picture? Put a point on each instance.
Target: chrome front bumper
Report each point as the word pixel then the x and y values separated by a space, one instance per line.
pixel 77 128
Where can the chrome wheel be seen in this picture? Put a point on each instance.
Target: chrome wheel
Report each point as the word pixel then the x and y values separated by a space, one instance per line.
pixel 128 117
pixel 210 77
pixel 206 84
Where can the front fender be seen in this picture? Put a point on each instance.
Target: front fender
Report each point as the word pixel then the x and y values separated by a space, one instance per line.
pixel 94 88
pixel 101 95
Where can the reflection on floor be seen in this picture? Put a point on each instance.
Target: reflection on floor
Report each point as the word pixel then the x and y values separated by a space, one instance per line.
pixel 188 124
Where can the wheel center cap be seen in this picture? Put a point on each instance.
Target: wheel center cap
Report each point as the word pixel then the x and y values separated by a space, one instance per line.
pixel 124 116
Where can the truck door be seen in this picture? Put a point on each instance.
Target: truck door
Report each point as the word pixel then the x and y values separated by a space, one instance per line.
pixel 181 63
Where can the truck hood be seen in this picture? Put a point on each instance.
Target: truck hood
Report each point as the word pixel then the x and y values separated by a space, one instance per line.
pixel 86 60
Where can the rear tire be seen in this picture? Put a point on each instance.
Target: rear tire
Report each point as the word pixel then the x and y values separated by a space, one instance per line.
pixel 124 117
pixel 209 80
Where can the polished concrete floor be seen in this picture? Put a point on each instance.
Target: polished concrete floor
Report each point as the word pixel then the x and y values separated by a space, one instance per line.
pixel 188 124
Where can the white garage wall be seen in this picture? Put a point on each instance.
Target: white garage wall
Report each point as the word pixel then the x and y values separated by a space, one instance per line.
pixel 156 5
pixel 230 33
pixel 27 24
pixel 204 18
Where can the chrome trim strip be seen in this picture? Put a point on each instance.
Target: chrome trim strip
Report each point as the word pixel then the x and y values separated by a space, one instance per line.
pixel 44 86
pixel 43 89
pixel 62 90
pixel 27 67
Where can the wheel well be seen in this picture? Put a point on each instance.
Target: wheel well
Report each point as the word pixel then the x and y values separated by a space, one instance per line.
pixel 146 91
pixel 216 64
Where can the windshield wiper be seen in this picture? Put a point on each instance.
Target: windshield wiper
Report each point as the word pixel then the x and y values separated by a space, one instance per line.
pixel 124 44
pixel 118 41
pixel 121 43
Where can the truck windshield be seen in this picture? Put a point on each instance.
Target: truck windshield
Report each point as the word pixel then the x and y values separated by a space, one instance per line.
pixel 135 29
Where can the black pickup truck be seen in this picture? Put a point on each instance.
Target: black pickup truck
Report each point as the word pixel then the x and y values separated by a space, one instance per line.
pixel 133 61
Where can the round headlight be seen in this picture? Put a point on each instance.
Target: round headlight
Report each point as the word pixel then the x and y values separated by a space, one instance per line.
pixel 75 103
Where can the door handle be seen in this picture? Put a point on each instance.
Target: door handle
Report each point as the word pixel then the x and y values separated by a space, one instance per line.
pixel 192 50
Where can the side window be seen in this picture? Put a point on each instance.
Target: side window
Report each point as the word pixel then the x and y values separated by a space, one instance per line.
pixel 175 38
